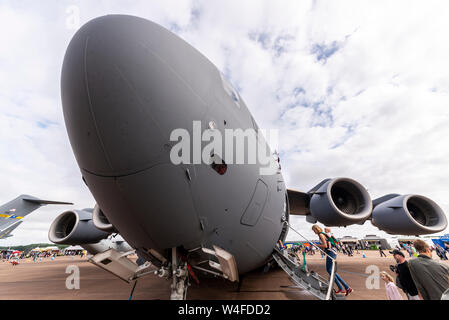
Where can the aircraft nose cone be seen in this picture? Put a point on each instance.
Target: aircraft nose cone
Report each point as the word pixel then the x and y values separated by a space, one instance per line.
pixel 121 97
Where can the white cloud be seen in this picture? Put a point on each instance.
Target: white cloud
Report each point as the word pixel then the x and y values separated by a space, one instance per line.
pixel 375 109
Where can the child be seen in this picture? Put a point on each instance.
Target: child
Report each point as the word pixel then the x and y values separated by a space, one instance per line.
pixel 390 286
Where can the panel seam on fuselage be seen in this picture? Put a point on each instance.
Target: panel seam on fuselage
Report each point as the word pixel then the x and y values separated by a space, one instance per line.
pixel 86 83
pixel 207 107
pixel 124 175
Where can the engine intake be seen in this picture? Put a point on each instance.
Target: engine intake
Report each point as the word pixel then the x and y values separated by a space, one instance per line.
pixel 75 227
pixel 340 202
pixel 101 221
pixel 409 215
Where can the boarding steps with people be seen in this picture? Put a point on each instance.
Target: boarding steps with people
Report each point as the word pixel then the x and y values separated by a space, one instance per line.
pixel 305 279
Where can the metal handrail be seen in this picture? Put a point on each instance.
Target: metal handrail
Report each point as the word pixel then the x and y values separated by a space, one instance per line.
pixel 331 280
pixel 334 263
pixel 309 241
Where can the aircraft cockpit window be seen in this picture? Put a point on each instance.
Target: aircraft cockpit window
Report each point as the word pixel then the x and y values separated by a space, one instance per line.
pixel 234 96
pixel 230 90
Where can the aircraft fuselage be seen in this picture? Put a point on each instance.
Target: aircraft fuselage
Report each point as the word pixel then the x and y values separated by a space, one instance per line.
pixel 127 84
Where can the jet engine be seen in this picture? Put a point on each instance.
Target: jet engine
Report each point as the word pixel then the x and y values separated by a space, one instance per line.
pixel 75 227
pixel 408 215
pixel 101 221
pixel 340 202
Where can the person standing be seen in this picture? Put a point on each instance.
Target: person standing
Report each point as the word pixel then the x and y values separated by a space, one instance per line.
pixel 438 252
pixel 382 253
pixel 409 250
pixel 441 252
pixel 351 251
pixel 431 277
pixel 312 250
pixel 390 287
pixel 331 253
pixel 404 277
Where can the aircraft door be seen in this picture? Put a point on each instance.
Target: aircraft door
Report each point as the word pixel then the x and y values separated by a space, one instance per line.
pixel 256 205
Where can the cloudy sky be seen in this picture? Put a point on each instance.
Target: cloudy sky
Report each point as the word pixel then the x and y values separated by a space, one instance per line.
pixel 356 88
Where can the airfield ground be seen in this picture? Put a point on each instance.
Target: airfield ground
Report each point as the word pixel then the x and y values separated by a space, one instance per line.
pixel 46 279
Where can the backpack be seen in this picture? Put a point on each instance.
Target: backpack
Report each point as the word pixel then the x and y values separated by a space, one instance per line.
pixel 331 240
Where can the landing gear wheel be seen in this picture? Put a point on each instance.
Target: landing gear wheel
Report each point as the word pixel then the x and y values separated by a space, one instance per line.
pixel 180 274
pixel 180 284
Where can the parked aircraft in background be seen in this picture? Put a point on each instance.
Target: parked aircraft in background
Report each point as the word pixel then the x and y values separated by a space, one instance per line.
pixel 12 213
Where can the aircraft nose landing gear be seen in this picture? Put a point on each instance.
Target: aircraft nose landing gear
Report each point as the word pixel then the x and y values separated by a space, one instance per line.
pixel 180 276
pixel 179 286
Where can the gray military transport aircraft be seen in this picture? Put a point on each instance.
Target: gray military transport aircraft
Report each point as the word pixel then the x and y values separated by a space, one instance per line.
pixel 12 213
pixel 127 83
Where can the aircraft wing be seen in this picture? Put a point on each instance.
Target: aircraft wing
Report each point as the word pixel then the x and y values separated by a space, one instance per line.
pixel 6 232
pixel 12 213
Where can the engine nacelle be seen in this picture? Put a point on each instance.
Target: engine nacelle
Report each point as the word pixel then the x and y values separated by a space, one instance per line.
pixel 75 227
pixel 409 215
pixel 101 221
pixel 340 202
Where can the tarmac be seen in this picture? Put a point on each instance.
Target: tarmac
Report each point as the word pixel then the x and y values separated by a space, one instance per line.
pixel 46 280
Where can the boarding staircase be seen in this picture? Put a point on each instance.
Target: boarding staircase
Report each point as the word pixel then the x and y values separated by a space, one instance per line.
pixel 305 279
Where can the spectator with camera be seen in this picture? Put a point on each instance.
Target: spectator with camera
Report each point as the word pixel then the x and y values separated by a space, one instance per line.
pixel 404 278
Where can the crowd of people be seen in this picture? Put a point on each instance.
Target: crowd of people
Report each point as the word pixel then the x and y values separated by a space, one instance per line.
pixel 440 251
pixel 6 255
pixel 420 277
pixel 36 256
